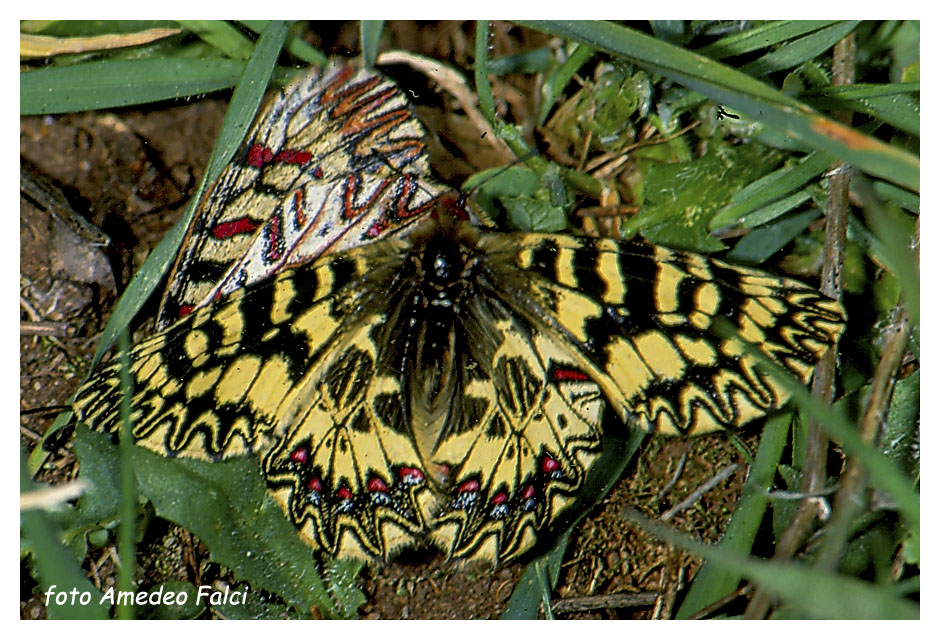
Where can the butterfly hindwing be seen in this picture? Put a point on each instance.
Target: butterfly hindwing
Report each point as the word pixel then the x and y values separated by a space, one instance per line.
pixel 532 446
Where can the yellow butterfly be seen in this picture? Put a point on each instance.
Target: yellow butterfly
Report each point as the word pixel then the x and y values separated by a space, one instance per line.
pixel 440 383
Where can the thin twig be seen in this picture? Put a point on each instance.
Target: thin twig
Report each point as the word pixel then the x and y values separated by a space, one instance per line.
pixel 702 490
pixel 44 328
pixel 30 434
pixel 607 164
pixel 675 476
pixel 621 600
pixel 456 85
pixel 853 485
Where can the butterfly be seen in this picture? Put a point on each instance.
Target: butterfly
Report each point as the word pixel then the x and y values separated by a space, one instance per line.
pixel 437 382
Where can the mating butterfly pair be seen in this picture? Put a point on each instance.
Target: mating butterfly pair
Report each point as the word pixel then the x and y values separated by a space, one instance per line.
pixel 405 377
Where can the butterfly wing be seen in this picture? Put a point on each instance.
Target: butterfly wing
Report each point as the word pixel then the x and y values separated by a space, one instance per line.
pixel 638 319
pixel 533 435
pixel 563 325
pixel 335 160
pixel 284 370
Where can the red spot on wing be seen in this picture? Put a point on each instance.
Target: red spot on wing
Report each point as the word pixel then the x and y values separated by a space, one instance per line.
pixel 500 498
pixel 274 242
pixel 470 486
pixel 318 172
pixel 234 227
pixel 376 485
pixel 258 156
pixel 314 485
pixel 344 493
pixel 299 455
pixel 410 473
pixel 352 186
pixel 549 464
pixel 565 375
pixel 185 310
pixel 292 156
pixel 529 492
pixel 300 215
pixel 377 228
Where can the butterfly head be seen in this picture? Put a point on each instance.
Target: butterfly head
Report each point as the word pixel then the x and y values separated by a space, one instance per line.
pixel 444 248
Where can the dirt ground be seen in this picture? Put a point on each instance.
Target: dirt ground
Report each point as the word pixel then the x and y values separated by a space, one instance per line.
pixel 131 172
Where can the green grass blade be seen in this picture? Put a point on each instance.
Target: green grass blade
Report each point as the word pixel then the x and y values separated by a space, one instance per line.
pixel 221 35
pixel 769 189
pixel 554 87
pixel 295 45
pixel 895 195
pixel 127 549
pixel 481 71
pixel 761 37
pixel 773 211
pixel 715 581
pixel 812 593
pixel 862 91
pixel 538 60
pixel 799 51
pixel 891 103
pixel 898 254
pixel 118 83
pixel 761 243
pixel 529 594
pixel 370 34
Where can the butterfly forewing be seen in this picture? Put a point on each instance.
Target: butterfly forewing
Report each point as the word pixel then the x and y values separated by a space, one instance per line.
pixel 639 318
pixel 334 161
